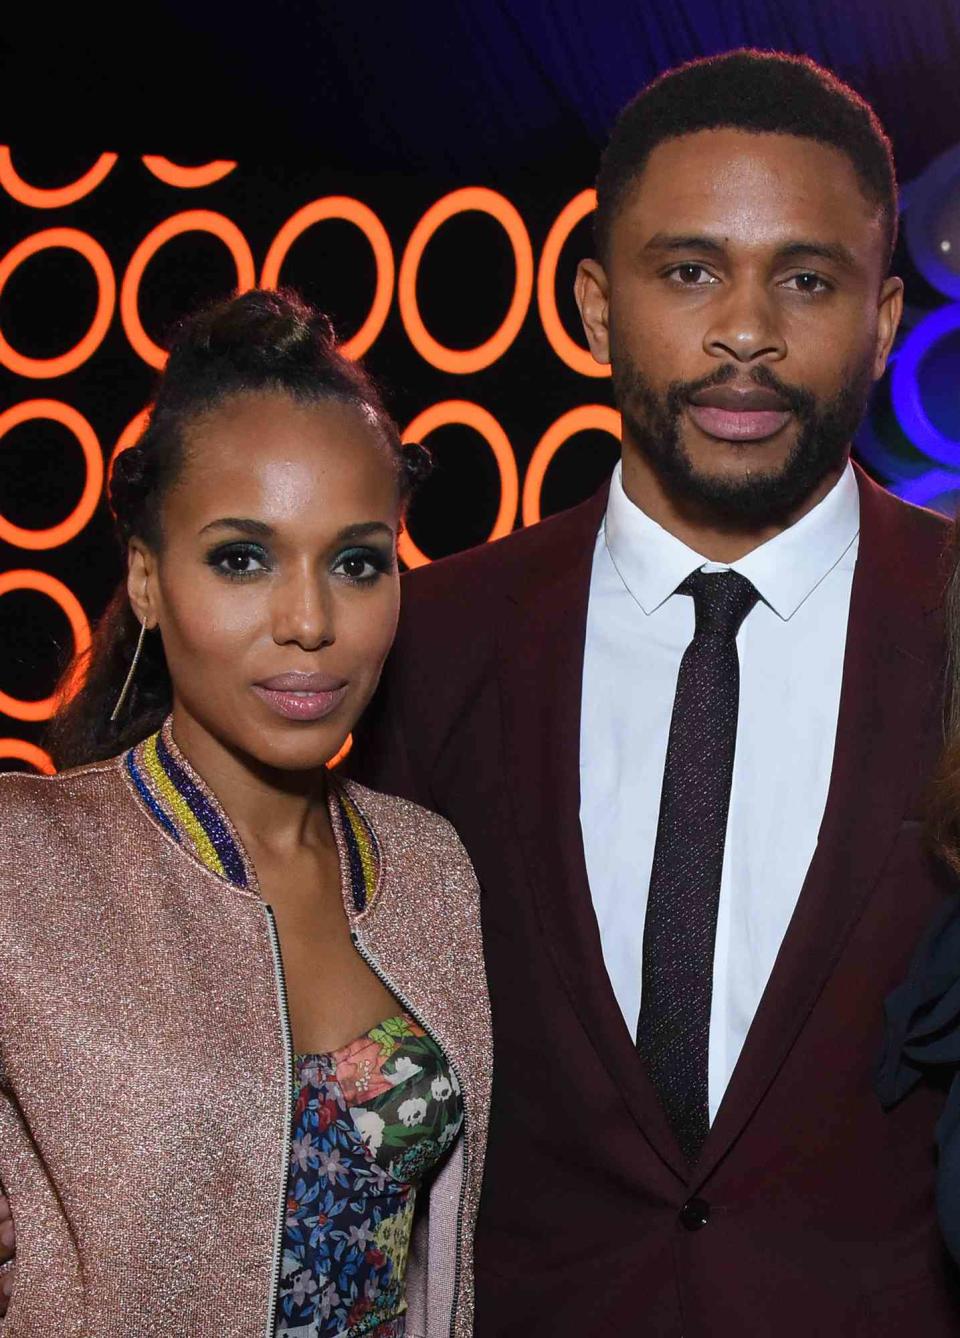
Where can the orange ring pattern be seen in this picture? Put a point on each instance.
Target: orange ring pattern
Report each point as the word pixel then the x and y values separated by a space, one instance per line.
pixel 468 414
pixel 22 751
pixel 187 178
pixel 577 359
pixel 584 418
pixel 55 535
pixel 67 601
pixel 191 220
pixel 350 211
pixel 465 361
pixel 45 197
pixel 70 239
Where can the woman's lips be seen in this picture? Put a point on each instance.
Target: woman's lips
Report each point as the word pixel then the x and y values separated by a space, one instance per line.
pixel 738 424
pixel 298 704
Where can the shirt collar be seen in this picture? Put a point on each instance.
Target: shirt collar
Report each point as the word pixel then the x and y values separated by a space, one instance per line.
pixel 785 570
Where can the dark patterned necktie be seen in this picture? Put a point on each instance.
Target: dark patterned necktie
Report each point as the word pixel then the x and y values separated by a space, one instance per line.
pixel 673 1032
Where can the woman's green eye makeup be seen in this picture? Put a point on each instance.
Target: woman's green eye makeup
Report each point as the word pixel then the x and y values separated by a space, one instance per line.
pixel 238 561
pixel 361 565
pixel 242 561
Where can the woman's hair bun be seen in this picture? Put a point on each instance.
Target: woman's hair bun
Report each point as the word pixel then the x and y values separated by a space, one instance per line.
pixel 417 462
pixel 257 329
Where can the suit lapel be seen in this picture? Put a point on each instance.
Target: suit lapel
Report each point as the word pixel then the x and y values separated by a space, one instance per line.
pixel 541 673
pixel 890 688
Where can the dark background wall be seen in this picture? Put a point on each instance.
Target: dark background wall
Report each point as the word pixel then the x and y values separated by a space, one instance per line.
pixel 394 106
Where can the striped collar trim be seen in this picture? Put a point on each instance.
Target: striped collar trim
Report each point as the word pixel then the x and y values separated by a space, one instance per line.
pixel 189 812
pixel 186 808
pixel 360 846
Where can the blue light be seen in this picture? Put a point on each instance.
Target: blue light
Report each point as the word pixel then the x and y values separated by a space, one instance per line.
pixel 905 386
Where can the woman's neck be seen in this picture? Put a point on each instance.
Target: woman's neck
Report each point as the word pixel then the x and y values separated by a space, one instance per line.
pixel 279 812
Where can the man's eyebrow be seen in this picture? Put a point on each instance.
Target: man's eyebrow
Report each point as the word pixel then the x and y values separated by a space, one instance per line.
pixel 835 251
pixel 244 524
pixel 662 241
pixel 797 250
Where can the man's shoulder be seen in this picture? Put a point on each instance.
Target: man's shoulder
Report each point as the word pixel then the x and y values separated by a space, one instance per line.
pixel 522 559
pixel 913 541
pixel 927 527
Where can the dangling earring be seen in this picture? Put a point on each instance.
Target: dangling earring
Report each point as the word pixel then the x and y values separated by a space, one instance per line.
pixel 130 672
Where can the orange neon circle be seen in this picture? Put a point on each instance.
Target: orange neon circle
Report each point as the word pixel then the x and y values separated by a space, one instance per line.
pixel 27 752
pixel 577 358
pixel 79 625
pixel 187 178
pixel 464 361
pixel 130 435
pixel 191 220
pixel 342 755
pixel 586 417
pixel 38 197
pixel 55 535
pixel 72 240
pixel 350 211
pixel 469 415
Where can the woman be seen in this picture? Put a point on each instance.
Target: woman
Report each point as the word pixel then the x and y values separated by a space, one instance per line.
pixel 923 1014
pixel 245 1014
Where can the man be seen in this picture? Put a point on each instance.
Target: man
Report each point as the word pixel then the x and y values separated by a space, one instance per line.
pixel 684 730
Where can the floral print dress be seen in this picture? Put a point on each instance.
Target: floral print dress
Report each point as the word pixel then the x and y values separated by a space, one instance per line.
pixel 371 1121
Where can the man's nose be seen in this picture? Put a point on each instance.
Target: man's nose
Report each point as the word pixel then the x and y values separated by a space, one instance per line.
pixel 746 326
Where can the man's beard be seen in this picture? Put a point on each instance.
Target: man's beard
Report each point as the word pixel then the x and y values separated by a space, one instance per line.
pixel 825 431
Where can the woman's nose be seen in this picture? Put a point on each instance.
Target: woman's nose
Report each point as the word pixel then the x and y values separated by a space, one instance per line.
pixel 303 613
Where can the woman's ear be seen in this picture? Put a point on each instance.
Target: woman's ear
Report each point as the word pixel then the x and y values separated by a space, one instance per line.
pixel 141 583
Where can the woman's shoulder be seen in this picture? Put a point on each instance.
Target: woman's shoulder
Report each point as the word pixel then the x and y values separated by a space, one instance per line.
pixel 395 820
pixel 31 806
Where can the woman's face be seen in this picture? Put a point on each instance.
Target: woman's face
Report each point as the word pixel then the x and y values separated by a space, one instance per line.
pixel 276 589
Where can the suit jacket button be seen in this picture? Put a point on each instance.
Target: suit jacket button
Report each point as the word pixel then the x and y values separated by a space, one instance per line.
pixel 695 1214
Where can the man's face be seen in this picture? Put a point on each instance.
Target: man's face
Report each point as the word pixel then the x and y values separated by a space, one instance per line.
pixel 745 313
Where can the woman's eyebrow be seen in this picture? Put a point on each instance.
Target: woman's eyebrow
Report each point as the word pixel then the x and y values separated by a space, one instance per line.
pixel 366 530
pixel 242 523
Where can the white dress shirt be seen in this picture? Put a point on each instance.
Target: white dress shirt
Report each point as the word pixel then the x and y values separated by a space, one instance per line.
pixel 791 649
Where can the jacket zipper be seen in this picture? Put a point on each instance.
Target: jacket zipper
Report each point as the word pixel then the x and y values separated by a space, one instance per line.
pixel 385 979
pixel 287 1113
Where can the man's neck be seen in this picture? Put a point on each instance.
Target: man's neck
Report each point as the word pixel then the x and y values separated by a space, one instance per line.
pixel 697 525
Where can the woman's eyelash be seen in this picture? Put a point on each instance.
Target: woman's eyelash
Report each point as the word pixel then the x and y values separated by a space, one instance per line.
pixel 240 554
pixel 374 560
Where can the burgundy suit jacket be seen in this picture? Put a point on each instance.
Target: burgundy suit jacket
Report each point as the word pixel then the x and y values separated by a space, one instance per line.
pixel 811 1210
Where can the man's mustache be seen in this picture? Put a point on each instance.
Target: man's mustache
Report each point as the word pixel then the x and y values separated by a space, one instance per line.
pixel 800 401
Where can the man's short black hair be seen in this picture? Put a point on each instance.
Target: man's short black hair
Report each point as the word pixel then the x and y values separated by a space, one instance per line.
pixel 756 91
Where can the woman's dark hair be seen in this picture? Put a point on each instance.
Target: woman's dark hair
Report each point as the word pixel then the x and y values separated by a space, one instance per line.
pixel 258 341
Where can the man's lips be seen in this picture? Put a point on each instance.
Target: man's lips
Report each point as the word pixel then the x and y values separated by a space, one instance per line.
pixel 299 696
pixel 730 414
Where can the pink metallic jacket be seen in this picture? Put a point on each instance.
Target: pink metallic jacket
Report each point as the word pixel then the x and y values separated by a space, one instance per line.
pixel 145 1059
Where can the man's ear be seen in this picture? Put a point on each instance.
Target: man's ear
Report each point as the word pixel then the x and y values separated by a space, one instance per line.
pixel 142 582
pixel 590 289
pixel 888 322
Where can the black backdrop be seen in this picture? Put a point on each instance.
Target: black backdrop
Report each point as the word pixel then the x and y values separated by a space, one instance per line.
pixel 395 106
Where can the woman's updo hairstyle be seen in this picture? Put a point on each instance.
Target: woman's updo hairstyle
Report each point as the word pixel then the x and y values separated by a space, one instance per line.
pixel 259 341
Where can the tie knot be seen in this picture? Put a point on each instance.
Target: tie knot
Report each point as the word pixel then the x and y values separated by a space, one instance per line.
pixel 721 599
